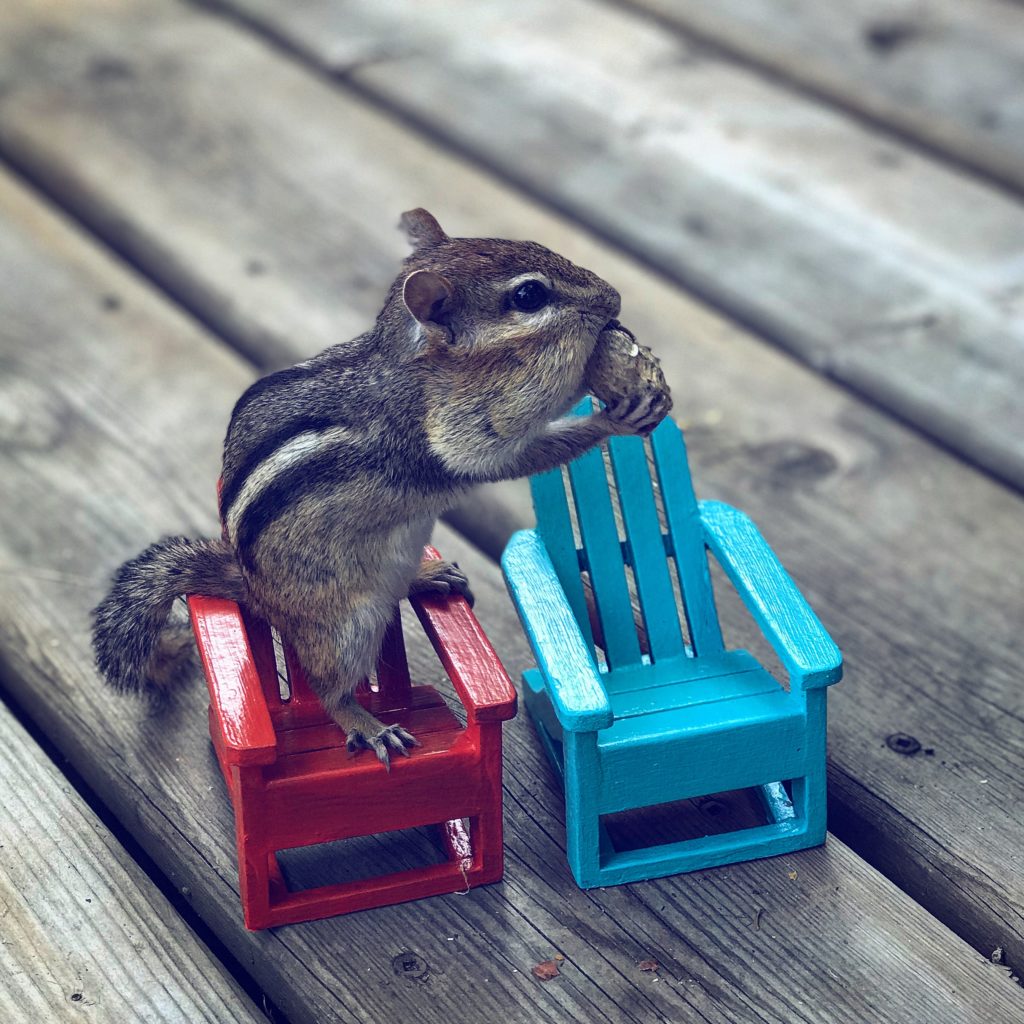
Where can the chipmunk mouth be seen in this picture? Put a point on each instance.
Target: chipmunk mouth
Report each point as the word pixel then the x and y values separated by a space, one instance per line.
pixel 618 325
pixel 595 322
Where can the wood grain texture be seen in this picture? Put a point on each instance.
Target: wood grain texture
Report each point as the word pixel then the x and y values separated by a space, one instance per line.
pixel 877 266
pixel 905 554
pixel 779 609
pixel 111 435
pixel 895 275
pixel 86 936
pixel 946 73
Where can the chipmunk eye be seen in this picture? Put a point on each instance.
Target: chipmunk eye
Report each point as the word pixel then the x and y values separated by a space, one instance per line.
pixel 529 296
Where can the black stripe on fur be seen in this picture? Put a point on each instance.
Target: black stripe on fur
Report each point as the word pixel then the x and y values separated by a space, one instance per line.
pixel 235 479
pixel 319 473
pixel 272 382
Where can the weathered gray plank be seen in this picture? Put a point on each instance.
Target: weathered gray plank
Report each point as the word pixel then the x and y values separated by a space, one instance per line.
pixel 903 551
pixel 949 74
pixel 111 434
pixel 895 275
pixel 86 936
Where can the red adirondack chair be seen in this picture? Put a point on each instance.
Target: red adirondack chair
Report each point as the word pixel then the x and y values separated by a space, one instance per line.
pixel 293 783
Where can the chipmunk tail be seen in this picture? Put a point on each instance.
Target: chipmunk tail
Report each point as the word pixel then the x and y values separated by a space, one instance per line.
pixel 140 646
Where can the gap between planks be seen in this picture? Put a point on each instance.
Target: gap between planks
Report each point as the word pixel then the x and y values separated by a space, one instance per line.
pixel 863 469
pixel 889 280
pixel 95 425
pixel 857 62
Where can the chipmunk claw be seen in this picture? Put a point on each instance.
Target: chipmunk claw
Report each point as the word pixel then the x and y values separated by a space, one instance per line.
pixel 458 582
pixel 658 410
pixel 390 739
pixel 639 414
pixel 436 576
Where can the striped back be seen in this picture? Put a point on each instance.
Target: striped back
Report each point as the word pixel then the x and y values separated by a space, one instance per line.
pixel 285 686
pixel 631 533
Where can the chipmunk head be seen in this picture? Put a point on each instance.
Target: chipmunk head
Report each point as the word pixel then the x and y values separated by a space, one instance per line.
pixel 479 294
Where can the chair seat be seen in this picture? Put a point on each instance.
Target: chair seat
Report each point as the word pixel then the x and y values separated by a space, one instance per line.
pixel 441 779
pixel 707 746
pixel 685 682
pixel 317 743
pixel 750 699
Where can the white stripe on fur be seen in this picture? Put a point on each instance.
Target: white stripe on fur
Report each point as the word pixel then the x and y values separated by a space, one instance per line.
pixel 296 449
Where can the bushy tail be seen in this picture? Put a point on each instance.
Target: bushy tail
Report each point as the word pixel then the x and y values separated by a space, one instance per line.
pixel 137 648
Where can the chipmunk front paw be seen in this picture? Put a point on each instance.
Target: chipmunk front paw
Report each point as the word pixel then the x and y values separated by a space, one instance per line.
pixel 436 576
pixel 638 414
pixel 387 739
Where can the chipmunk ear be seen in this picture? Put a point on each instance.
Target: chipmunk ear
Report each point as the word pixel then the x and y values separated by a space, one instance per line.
pixel 426 293
pixel 421 228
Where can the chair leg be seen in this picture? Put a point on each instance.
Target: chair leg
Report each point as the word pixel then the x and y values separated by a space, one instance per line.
pixel 809 793
pixel 538 706
pixel 582 823
pixel 776 802
pixel 488 863
pixel 487 827
pixel 253 859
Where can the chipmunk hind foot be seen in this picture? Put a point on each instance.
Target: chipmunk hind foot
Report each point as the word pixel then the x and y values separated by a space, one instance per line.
pixel 365 732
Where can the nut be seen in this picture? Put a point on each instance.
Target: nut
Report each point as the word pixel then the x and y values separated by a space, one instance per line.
pixel 620 367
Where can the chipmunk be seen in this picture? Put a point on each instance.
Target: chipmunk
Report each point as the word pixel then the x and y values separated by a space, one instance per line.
pixel 335 470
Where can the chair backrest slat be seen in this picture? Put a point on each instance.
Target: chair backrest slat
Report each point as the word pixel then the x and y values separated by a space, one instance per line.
pixel 555 528
pixel 261 643
pixel 687 537
pixel 393 666
pixel 648 551
pixel 646 547
pixel 604 559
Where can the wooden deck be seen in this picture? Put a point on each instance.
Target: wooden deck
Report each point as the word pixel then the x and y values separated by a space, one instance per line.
pixel 815 220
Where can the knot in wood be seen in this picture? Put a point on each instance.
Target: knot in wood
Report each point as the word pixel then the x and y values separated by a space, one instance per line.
pixel 408 965
pixel 903 744
pixel 713 806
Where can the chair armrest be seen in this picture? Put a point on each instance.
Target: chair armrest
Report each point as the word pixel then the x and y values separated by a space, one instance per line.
pixel 236 695
pixel 471 662
pixel 565 662
pixel 795 632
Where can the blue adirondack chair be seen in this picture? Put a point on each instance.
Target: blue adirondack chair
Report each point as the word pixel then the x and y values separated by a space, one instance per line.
pixel 661 715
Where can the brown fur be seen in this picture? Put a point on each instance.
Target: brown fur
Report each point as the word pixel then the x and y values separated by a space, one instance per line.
pixel 335 470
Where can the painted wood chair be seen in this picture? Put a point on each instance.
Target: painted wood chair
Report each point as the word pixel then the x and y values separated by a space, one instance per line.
pixel 661 715
pixel 293 784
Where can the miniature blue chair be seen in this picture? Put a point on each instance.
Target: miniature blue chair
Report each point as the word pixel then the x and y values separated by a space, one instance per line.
pixel 632 728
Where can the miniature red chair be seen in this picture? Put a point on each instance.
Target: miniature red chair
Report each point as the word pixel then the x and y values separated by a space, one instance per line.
pixel 293 783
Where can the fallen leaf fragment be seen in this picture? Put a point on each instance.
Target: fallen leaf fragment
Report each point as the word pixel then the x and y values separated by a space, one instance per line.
pixel 648 965
pixel 546 970
pixel 792 876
